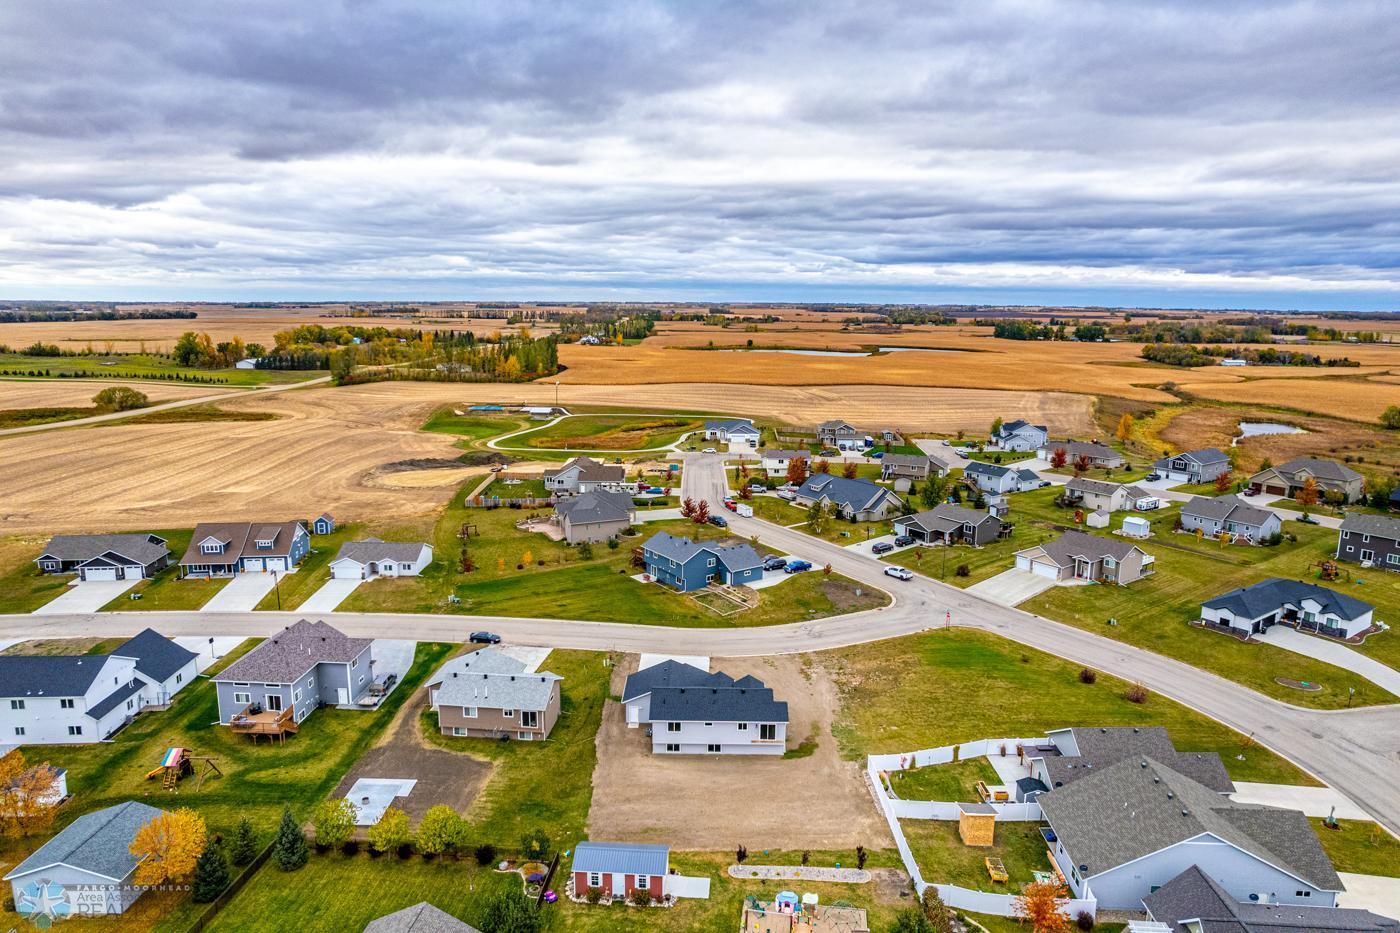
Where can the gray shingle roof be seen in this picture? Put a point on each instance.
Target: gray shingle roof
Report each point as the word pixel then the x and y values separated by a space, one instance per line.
pixel 1193 895
pixel 1092 449
pixel 1321 469
pixel 597 506
pixel 1104 746
pixel 913 460
pixel 1064 549
pixel 1379 526
pixel 671 673
pixel 142 549
pixel 240 537
pixel 1204 456
pixel 628 858
pixel 157 657
pixel 96 842
pixel 772 453
pixel 858 495
pixel 989 469
pixel 52 676
pixel 1228 507
pixel 115 698
pixel 284 657
pixel 945 517
pixel 1011 427
pixel 590 470
pixel 717 704
pixel 420 918
pixel 494 680
pixel 734 557
pixel 1096 486
pixel 1140 806
pixel 373 549
pixel 732 426
pixel 1251 602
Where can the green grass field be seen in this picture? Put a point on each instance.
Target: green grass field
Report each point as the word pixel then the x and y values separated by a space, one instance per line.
pixel 143 366
pixel 609 432
pixel 955 781
pixel 1360 847
pixel 942 856
pixel 166 591
pixel 313 572
pixel 24 417
pixel 473 426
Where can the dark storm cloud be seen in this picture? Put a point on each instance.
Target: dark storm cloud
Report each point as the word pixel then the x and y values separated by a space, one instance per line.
pixel 634 146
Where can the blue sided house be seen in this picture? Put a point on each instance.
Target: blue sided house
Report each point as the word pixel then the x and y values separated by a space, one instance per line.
pixel 693 565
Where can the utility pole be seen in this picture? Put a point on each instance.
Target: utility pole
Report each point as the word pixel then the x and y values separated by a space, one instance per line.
pixel 277 590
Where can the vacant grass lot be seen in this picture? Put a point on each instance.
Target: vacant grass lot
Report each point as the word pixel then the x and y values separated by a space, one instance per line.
pixel 22 587
pixel 166 591
pixel 23 417
pixel 949 686
pixel 472 426
pixel 144 366
pixel 609 432
pixel 1360 847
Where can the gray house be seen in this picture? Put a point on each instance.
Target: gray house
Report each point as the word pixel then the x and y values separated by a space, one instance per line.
pixel 373 557
pixel 1328 475
pixel 1194 902
pixel 911 466
pixel 950 524
pixel 1231 515
pixel 422 917
pixel 1194 466
pixel 489 694
pixel 88 865
pixel 1076 555
pixel 1125 830
pixel 1305 606
pixel 595 516
pixel 1370 539
pixel 1111 497
pixel 105 557
pixel 836 433
pixel 1020 435
pixel 584 474
pixel 694 712
pixel 992 477
pixel 1098 455
pixel 857 499
pixel 301 668
pixel 692 565
pixel 736 432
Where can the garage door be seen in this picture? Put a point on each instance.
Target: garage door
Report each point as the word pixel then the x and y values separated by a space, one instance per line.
pixel 1023 562
pixel 1045 570
pixel 252 565
pixel 1275 490
pixel 100 573
pixel 277 563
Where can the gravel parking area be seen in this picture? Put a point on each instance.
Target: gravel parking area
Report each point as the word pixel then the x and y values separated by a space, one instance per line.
pixel 716 802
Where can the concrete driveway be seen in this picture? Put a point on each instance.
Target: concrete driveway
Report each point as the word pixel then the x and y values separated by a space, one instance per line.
pixel 863 547
pixel 392 656
pixel 1332 653
pixel 1376 893
pixel 208 648
pixel 1314 801
pixel 85 597
pixel 241 594
pixel 331 594
pixel 1012 587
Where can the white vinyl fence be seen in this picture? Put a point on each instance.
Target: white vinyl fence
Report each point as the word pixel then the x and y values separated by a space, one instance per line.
pixel 959 898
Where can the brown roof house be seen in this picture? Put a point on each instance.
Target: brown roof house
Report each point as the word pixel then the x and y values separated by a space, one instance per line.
pixel 1329 476
pixel 489 694
pixel 222 549
pixel 1077 556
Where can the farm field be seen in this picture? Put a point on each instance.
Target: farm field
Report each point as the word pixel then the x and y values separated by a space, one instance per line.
pixel 608 432
pixel 143 367
pixel 66 393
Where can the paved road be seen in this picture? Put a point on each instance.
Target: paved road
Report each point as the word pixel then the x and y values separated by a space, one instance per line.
pixel 167 406
pixel 1355 751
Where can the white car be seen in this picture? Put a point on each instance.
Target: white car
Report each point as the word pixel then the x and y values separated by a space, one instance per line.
pixel 899 573
pixel 709 450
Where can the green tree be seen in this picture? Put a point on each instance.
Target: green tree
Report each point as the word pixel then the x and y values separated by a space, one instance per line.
pixel 290 848
pixel 1390 418
pixel 334 821
pixel 245 843
pixel 442 830
pixel 211 874
pixel 120 398
pixel 187 350
pixel 996 425
pixel 536 845
pixel 818 517
pixel 911 920
pixel 936 912
pixel 342 364
pixel 390 832
pixel 511 912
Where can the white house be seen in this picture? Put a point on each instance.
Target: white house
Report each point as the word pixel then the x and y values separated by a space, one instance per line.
pixel 1019 435
pixel 363 560
pixel 1229 514
pixel 584 474
pixel 1306 606
pixel 738 433
pixel 991 477
pixel 776 462
pixel 693 712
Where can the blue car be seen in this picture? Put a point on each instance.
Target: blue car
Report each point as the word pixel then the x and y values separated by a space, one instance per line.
pixel 797 566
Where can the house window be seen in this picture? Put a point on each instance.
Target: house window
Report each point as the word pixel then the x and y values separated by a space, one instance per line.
pixel 469 712
pixel 1367 554
pixel 529 719
pixel 67 704
pixel 1303 894
pixel 405 566
pixel 75 730
pixel 1393 559
pixel 673 727
pixel 672 747
pixel 16 704
pixel 458 730
pixel 130 703
pixel 508 713
pixel 595 879
pixel 1365 539
pixel 244 698
pixel 274 702
pixel 19 730
pixel 1345 535
pixel 712 747
pixel 296 695
pixel 644 881
pixel 710 562
pixel 525 736
pixel 767 731
pixel 179 678
pixel 743 727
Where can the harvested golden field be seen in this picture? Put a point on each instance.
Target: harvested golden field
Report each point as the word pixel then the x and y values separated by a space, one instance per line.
pixel 1354 399
pixel 55 393
pixel 328 449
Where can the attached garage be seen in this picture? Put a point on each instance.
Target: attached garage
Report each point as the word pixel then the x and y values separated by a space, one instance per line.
pixel 1273 489
pixel 278 564
pixel 253 564
pixel 1038 563
pixel 99 574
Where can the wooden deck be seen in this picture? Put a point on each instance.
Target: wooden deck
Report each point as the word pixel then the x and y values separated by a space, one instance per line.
pixel 271 723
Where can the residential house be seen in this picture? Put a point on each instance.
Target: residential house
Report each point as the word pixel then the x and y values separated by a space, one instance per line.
pixel 1080 751
pixel 423 917
pixel 1076 555
pixel 950 524
pixel 489 694
pixel 776 462
pixel 301 668
pixel 222 549
pixel 837 434
pixel 595 516
pixel 856 499
pixel 694 712
pixel 738 433
pixel 72 699
pixel 323 525
pixel 1194 466
pixel 690 565
pixel 619 868
pixel 105 557
pixel 911 466
pixel 1194 902
pixel 1308 607
pixel 1370 539
pixel 1020 435
pixel 992 477
pixel 1100 456
pixel 1328 475
pixel 584 474
pixel 364 560
pixel 88 864
pixel 1111 497
pixel 1230 514
pixel 1127 829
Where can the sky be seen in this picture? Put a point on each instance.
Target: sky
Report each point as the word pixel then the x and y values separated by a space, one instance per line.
pixel 1207 154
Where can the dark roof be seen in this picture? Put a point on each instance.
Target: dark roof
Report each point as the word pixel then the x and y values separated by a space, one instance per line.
pixel 981 466
pixel 1140 806
pixel 945 517
pixel 1107 745
pixel 671 673
pixel 1329 470
pixel 732 425
pixel 717 704
pixel 598 506
pixel 591 471
pixel 115 698
pixel 628 858
pixel 25 675
pixel 284 657
pixel 774 453
pixel 1195 896
pixel 142 549
pixel 913 460
pixel 1203 456
pixel 1030 785
pixel 1251 602
pixel 858 495
pixel 157 657
pixel 420 918
pixel 1229 507
pixel 97 842
pixel 734 557
pixel 1097 486
pixel 1011 427
pixel 1093 449
pixel 1379 526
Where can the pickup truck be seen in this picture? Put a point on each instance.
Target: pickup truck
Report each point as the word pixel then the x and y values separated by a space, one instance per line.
pixel 797 566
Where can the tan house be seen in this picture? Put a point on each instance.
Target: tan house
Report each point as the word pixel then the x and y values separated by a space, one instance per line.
pixel 1076 556
pixel 488 694
pixel 1329 476
pixel 1096 494
pixel 595 516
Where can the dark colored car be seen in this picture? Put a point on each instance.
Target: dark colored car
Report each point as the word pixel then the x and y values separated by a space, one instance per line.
pixel 484 638
pixel 719 521
pixel 881 547
pixel 797 566
pixel 1153 477
pixel 775 563
pixel 904 541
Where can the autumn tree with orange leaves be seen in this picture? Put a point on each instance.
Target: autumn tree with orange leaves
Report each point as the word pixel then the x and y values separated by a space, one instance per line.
pixel 1039 904
pixel 168 847
pixel 27 801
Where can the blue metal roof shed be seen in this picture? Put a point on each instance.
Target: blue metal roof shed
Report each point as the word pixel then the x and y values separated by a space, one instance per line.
pixel 624 858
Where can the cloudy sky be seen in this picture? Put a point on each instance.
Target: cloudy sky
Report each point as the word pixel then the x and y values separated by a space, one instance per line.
pixel 1240 154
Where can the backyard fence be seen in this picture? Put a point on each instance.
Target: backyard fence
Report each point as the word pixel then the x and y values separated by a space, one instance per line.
pixel 497 502
pixel 948 810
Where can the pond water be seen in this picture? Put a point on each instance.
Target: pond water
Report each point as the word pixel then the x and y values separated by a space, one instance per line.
pixel 796 352
pixel 917 350
pixel 1257 428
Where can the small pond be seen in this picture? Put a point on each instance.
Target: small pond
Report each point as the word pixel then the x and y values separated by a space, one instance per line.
pixel 917 350
pixel 1257 428
pixel 797 352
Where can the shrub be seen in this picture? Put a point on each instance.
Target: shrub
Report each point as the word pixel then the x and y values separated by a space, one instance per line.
pixel 290 848
pixel 1088 676
pixel 120 398
pixel 211 875
pixel 1084 920
pixel 1137 693
pixel 963 571
pixel 245 843
pixel 350 847
pixel 593 895
pixel 536 845
pixel 640 897
pixel 405 851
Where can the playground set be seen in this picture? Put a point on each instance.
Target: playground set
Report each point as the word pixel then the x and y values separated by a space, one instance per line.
pixel 179 763
pixel 786 913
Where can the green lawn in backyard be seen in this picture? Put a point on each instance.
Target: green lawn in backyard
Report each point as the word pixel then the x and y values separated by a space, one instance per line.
pixel 145 366
pixel 313 572
pixel 955 781
pixel 778 511
pixel 516 489
pixel 948 686
pixel 473 426
pixel 166 590
pixel 609 432
pixel 1003 457
pixel 942 563
pixel 943 858
pixel 1360 847
pixel 1129 473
